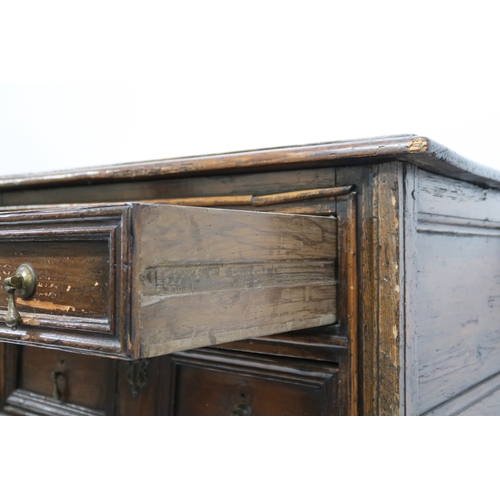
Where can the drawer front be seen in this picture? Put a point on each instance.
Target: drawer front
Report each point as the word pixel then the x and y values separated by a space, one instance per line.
pixel 213 383
pixel 80 261
pixel 52 382
pixel 143 280
pixel 73 278
pixel 39 381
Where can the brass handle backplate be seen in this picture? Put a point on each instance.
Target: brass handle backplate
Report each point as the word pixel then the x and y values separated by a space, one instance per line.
pixel 24 283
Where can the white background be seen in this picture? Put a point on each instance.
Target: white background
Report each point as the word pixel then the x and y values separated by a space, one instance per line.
pixel 104 82
pixel 93 83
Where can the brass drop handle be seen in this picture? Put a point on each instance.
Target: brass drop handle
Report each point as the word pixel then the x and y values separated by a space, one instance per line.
pixel 24 282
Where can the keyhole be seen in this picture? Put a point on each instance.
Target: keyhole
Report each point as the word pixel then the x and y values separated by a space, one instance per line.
pixel 59 385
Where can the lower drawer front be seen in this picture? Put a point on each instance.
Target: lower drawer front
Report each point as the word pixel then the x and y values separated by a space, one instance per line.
pixel 51 382
pixel 201 382
pixel 206 383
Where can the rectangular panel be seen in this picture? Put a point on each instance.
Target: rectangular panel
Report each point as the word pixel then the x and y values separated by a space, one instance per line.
pixel 66 377
pixel 205 383
pixel 73 277
pixel 454 198
pixel 457 310
pixel 79 257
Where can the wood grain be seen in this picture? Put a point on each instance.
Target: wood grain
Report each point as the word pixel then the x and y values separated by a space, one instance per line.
pixel 410 258
pixel 348 290
pixel 458 304
pixel 388 199
pixel 453 198
pixel 25 403
pixel 320 344
pixel 73 277
pixel 487 406
pixel 481 399
pixel 288 197
pixel 284 158
pixel 81 258
pixel 246 274
pixel 218 382
pixel 166 188
pixel 426 306
pixel 271 273
pixel 411 148
pixel 9 357
pixel 89 380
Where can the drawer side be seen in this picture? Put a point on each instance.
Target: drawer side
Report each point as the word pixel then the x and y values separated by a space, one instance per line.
pixel 208 276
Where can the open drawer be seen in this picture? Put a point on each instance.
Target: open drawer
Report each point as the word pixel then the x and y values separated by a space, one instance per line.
pixel 138 280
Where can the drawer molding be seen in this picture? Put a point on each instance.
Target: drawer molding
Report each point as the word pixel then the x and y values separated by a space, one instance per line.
pixel 72 309
pixel 26 403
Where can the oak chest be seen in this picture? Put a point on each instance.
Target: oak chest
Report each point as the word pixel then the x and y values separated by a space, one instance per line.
pixel 353 277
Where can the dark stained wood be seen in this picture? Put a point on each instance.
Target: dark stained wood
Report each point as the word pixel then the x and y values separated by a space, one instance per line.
pixel 288 197
pixel 221 201
pixel 53 383
pixel 216 260
pixel 363 180
pixel 320 344
pixel 271 273
pixel 85 250
pixel 412 148
pixel 348 295
pixel 75 285
pixel 144 400
pixel 9 360
pixel 25 403
pixel 241 161
pixel 309 347
pixel 414 274
pixel 168 188
pixel 222 384
pixel 388 195
pixel 379 194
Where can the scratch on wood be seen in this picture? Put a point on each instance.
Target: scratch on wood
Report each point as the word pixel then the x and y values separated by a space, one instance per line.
pixel 46 305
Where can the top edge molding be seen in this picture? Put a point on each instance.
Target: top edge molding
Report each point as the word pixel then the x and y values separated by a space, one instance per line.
pixel 411 148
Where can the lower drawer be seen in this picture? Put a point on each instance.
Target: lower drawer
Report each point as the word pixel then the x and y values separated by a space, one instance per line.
pixel 35 381
pixel 214 383
pixel 50 382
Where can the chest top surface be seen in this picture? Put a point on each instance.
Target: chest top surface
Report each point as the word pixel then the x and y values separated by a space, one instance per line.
pixel 414 149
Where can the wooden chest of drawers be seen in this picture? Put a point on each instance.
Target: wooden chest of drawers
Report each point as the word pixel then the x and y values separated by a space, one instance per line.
pixel 355 277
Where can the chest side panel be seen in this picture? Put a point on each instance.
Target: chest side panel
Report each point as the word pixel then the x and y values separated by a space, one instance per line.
pixel 457 294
